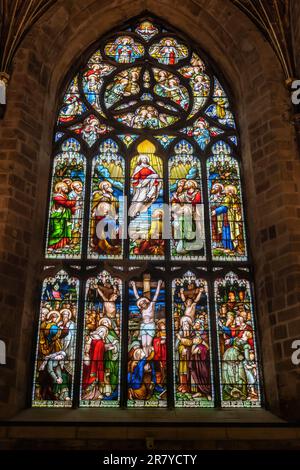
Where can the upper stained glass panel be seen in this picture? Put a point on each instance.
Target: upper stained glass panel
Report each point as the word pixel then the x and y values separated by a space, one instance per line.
pixel 93 79
pixel 202 132
pixel 91 129
pixel 187 210
pixel 220 109
pixel 168 86
pixel 146 210
pixel 226 205
pixel 66 210
pixel 199 82
pixel 147 117
pixel 72 106
pixel 124 84
pixel 107 203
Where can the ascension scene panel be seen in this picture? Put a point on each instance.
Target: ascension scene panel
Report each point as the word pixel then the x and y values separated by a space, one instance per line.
pixel 56 342
pixel 192 355
pixel 100 376
pixel 238 362
pixel 146 209
pixel 146 79
pixel 147 347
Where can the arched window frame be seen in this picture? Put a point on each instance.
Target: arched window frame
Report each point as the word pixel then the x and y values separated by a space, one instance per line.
pixel 168 269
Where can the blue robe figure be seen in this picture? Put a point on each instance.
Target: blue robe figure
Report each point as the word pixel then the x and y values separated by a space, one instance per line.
pixel 137 387
pixel 226 232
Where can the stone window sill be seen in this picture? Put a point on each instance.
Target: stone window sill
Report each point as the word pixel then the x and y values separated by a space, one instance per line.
pixel 186 417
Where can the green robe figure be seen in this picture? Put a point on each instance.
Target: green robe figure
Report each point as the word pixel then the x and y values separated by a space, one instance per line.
pixel 111 357
pixel 60 229
pixel 233 374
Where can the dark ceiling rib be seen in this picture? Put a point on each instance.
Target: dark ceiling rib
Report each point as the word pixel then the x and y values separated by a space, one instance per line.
pixel 16 19
pixel 273 18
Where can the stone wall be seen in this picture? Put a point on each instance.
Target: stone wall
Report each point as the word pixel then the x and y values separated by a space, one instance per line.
pixel 271 170
pixel 142 438
pixel 295 20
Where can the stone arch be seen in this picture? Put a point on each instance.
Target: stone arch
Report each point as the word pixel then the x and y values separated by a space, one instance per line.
pixel 269 160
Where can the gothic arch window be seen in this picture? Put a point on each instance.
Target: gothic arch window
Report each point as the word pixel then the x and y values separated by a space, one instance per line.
pixel 147 294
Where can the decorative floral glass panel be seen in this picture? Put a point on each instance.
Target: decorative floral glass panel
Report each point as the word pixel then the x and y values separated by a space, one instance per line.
pixel 145 221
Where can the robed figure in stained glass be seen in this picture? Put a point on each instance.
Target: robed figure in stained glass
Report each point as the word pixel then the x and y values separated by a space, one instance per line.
pixel 106 208
pixel 229 224
pixel 62 210
pixel 104 234
pixel 146 208
pixel 146 182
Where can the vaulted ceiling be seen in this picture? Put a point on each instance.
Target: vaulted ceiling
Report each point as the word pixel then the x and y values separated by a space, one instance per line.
pixel 271 16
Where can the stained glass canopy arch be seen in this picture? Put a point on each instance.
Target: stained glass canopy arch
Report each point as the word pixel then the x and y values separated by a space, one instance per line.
pixel 147 298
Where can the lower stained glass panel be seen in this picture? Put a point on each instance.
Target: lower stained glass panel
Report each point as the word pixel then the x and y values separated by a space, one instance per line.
pixel 191 340
pixel 239 374
pixel 147 352
pixel 100 379
pixel 55 354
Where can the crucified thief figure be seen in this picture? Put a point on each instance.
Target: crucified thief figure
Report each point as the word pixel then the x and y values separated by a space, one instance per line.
pixel 147 308
pixel 109 305
pixel 190 306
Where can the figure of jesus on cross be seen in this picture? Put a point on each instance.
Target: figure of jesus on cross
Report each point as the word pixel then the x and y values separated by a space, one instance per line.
pixel 147 309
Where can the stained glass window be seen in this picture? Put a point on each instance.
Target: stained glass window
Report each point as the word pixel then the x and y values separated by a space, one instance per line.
pixel 147 292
